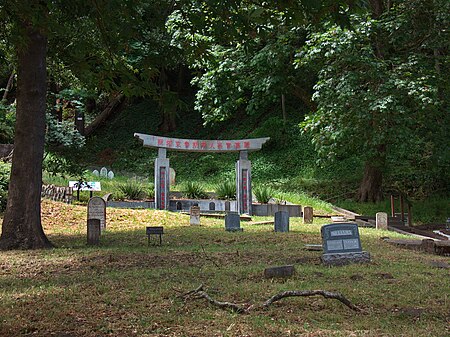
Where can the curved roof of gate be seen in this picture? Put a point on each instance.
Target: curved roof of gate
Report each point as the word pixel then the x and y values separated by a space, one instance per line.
pixel 199 145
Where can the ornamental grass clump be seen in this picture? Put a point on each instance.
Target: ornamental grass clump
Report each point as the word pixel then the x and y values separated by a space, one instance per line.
pixel 194 190
pixel 226 190
pixel 263 194
pixel 132 189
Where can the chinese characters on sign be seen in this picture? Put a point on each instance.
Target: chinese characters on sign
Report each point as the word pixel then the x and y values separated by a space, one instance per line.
pixel 245 191
pixel 201 145
pixel 162 184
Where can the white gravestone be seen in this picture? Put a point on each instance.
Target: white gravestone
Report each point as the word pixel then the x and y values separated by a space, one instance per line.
pixel 194 215
pixel 97 210
pixel 103 172
pixel 96 173
pixel 381 220
pixel 110 175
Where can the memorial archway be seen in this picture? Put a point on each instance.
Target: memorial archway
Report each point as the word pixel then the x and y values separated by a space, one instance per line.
pixel 243 165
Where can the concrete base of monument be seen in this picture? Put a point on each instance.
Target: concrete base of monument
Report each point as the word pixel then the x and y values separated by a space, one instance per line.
pixel 340 259
pixel 295 211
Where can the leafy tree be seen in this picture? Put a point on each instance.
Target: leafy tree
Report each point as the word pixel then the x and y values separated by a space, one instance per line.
pixel 378 90
pixel 90 38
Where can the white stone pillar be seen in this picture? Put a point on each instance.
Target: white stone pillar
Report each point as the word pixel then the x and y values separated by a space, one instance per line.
pixel 162 180
pixel 244 184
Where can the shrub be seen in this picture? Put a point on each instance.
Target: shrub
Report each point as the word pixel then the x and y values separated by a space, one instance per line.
pixel 194 190
pixel 132 189
pixel 4 181
pixel 226 190
pixel 151 191
pixel 263 194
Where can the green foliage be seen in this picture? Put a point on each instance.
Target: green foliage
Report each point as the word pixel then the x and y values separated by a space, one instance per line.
pixel 4 181
pixel 263 193
pixel 194 190
pixel 7 121
pixel 378 91
pixel 57 165
pixel 132 189
pixel 226 190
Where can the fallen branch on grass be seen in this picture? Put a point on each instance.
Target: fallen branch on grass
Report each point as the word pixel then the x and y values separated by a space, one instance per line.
pixel 240 309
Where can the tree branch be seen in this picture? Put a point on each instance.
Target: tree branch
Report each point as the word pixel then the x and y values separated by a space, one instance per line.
pixel 241 309
pixel 324 293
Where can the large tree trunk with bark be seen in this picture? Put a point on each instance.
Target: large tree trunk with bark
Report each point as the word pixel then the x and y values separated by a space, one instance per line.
pixel 370 189
pixel 22 228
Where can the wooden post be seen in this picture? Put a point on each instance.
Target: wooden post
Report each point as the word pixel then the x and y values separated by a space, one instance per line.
pixel 93 232
pixel 402 211
pixel 392 206
pixel 409 215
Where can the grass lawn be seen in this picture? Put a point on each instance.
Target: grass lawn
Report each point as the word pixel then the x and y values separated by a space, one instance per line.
pixel 126 288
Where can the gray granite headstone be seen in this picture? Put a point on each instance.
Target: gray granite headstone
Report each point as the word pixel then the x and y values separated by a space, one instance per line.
pixel 342 245
pixel 381 220
pixel 194 215
pixel 233 222
pixel 103 172
pixel 282 221
pixel 97 210
pixel 308 214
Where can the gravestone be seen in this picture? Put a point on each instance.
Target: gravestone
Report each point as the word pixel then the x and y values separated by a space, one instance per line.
pixel 282 271
pixel 172 176
pixel 110 175
pixel 96 173
pixel 97 210
pixel 381 220
pixel 342 245
pixel 212 206
pixel 233 222
pixel 282 221
pixel 308 214
pixel 194 212
pixel 93 232
pixel 103 172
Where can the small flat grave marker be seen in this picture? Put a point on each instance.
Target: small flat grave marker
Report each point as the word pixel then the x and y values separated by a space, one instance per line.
pixel 342 245
pixel 155 230
pixel 194 213
pixel 282 271
pixel 97 210
pixel 233 222
pixel 282 221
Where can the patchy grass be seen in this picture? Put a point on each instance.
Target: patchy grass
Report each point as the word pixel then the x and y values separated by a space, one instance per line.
pixel 126 288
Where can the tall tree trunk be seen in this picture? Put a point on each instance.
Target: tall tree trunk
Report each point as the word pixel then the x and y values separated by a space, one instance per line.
pixel 370 189
pixel 22 228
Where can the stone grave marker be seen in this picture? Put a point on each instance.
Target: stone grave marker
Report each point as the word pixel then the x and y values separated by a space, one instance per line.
pixel 381 220
pixel 194 213
pixel 110 175
pixel 282 271
pixel 103 172
pixel 96 173
pixel 233 222
pixel 308 214
pixel 282 221
pixel 97 210
pixel 93 232
pixel 342 245
pixel 172 176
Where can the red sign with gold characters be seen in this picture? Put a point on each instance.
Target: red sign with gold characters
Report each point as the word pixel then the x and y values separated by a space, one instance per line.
pixel 196 145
